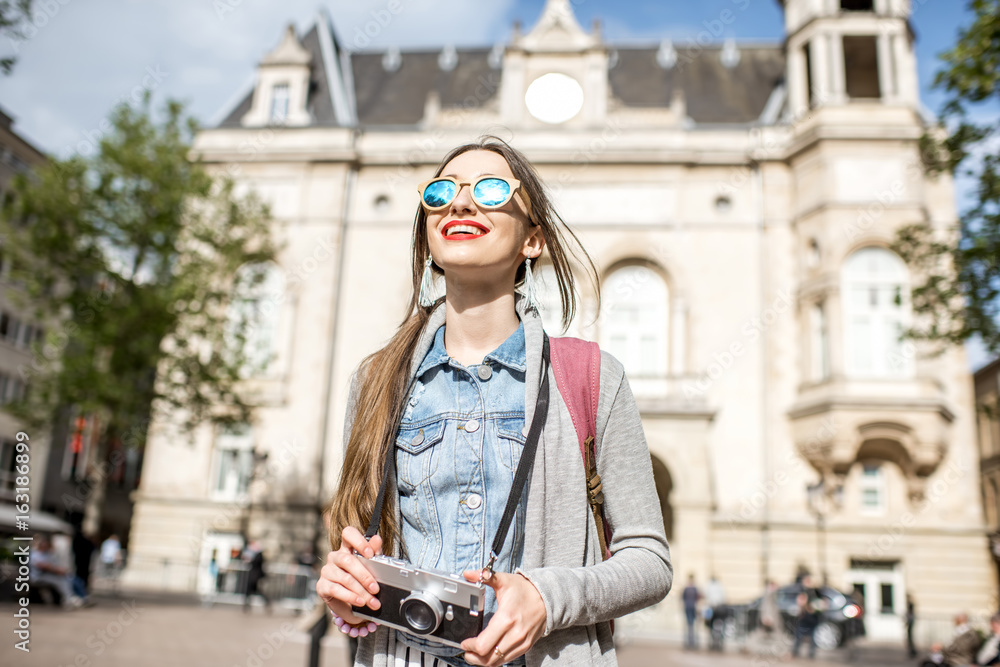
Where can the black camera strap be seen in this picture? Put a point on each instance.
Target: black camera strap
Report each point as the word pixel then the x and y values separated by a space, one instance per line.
pixel 520 476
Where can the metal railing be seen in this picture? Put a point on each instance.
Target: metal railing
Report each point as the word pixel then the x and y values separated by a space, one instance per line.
pixel 289 586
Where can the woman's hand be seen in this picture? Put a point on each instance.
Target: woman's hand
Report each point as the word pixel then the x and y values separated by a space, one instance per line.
pixel 344 581
pixel 518 623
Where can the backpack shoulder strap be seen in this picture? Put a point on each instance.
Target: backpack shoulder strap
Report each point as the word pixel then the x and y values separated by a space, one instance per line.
pixel 576 365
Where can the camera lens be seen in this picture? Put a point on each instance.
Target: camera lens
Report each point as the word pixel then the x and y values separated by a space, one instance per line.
pixel 421 612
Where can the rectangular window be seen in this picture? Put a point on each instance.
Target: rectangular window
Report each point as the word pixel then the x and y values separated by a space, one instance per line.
pixel 233 463
pixel 857 5
pixel 861 67
pixel 279 103
pixel 872 489
pixel 886 606
pixel 13 330
pixel 820 355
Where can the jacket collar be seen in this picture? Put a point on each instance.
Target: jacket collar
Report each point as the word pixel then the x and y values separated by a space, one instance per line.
pixel 511 352
pixel 533 334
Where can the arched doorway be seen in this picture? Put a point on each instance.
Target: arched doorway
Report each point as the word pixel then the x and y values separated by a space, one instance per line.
pixel 664 485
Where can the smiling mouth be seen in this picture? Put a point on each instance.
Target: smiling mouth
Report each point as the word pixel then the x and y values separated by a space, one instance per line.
pixel 463 230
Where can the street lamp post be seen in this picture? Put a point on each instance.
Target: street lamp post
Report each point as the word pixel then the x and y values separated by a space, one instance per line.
pixel 823 499
pixel 815 493
pixel 259 459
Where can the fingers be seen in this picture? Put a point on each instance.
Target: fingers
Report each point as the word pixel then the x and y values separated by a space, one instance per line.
pixel 352 538
pixel 517 624
pixel 349 571
pixel 345 579
pixel 332 595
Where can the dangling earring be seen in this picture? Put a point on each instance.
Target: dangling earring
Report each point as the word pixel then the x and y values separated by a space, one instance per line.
pixel 426 285
pixel 528 288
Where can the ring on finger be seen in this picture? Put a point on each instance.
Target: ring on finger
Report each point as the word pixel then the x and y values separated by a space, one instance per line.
pixel 496 649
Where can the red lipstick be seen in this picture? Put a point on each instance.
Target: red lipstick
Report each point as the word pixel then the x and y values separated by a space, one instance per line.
pixel 463 235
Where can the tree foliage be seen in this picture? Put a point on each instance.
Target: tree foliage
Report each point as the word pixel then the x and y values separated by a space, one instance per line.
pixel 130 257
pixel 15 15
pixel 957 297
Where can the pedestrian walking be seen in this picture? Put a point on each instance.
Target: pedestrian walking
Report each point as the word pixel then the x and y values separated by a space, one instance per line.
pixel 911 617
pixel 805 624
pixel 691 596
pixel 253 556
pixel 716 613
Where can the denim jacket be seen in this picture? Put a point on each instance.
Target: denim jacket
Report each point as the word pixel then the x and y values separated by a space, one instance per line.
pixel 562 555
pixel 459 442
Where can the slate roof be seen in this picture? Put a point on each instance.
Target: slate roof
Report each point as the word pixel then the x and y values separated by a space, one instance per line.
pixel 398 98
pixel 714 93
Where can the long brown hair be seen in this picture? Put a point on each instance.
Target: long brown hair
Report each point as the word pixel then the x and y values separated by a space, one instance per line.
pixel 384 376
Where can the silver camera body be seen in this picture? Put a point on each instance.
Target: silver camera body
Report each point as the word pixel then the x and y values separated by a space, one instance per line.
pixel 436 605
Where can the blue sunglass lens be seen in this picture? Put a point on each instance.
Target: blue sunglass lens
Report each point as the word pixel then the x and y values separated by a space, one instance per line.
pixel 439 193
pixel 491 192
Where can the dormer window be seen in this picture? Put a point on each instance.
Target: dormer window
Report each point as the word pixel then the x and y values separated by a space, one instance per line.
pixel 279 104
pixel 281 96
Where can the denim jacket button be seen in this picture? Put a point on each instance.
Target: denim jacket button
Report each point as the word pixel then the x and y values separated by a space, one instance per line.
pixel 474 501
pixel 471 426
pixel 524 430
pixel 484 372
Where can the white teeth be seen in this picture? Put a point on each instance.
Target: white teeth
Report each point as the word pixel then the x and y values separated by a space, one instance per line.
pixel 465 229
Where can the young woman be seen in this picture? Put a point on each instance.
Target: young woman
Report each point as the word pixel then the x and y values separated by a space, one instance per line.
pixel 453 393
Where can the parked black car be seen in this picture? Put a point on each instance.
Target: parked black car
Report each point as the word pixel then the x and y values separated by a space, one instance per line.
pixel 841 618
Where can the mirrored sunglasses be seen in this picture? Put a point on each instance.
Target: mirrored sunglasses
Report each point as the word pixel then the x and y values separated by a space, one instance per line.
pixel 487 191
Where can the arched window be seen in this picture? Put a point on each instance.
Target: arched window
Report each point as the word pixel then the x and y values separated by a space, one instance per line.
pixel 877 309
pixel 258 293
pixel 634 325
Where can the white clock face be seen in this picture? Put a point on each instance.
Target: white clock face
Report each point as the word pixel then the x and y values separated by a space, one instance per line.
pixel 554 98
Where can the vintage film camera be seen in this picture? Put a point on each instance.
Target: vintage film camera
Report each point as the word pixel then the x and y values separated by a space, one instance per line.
pixel 436 605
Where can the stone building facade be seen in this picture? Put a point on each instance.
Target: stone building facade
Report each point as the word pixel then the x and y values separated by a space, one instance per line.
pixel 738 201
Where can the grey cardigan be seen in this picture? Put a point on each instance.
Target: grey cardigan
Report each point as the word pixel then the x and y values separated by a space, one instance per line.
pixel 561 550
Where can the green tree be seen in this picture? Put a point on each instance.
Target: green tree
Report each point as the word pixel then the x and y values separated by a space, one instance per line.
pixel 132 257
pixel 15 22
pixel 957 296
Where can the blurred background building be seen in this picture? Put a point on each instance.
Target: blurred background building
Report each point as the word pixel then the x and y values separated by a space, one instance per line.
pixel 738 201
pixel 18 328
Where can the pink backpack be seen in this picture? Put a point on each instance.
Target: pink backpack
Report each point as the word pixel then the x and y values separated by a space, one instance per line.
pixel 576 364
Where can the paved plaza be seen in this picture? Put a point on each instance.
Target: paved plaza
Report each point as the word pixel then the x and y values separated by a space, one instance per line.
pixel 139 631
